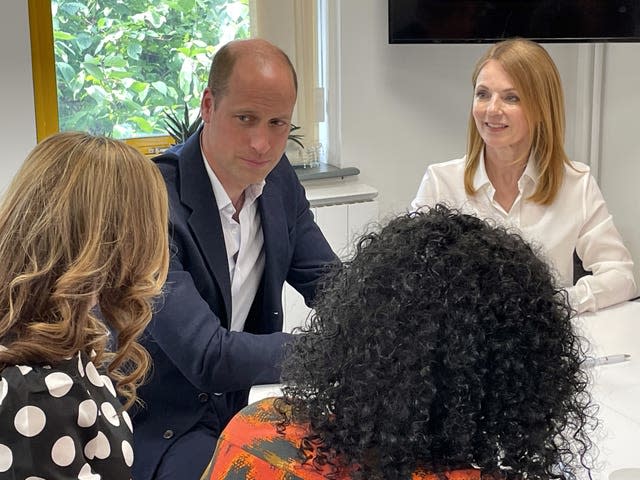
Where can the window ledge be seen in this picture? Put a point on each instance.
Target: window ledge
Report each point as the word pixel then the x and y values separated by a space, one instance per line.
pixel 324 170
pixel 323 194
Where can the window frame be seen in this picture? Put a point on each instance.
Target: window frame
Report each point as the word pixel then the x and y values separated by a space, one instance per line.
pixel 45 89
pixel 300 42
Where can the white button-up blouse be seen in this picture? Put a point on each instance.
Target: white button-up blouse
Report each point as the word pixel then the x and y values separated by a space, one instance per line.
pixel 577 219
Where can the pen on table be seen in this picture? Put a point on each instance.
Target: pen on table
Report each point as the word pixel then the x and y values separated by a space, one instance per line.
pixel 607 360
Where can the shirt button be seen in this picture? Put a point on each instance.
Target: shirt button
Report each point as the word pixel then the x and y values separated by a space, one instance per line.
pixel 168 434
pixel 203 397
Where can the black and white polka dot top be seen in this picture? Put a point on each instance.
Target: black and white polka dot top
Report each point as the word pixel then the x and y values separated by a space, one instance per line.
pixel 62 422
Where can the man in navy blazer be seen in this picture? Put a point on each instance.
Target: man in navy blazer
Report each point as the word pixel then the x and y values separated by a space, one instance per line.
pixel 240 227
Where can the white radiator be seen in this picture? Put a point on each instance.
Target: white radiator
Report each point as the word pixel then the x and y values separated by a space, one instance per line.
pixel 341 224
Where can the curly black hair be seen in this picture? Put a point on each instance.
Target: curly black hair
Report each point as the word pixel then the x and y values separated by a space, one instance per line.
pixel 441 344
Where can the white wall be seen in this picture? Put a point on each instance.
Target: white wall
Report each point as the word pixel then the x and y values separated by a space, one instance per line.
pixel 620 153
pixel 406 106
pixel 17 121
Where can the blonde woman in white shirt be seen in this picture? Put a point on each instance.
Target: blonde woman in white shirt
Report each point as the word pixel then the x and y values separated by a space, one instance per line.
pixel 517 172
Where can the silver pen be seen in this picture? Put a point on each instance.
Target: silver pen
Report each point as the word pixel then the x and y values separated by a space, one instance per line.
pixel 607 360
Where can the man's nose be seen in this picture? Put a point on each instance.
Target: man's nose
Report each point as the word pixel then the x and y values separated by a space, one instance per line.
pixel 260 139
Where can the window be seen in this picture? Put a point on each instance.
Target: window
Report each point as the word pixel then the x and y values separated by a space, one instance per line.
pixel 115 67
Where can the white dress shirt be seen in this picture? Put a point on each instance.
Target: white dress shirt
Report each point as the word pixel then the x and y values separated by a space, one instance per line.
pixel 243 240
pixel 577 219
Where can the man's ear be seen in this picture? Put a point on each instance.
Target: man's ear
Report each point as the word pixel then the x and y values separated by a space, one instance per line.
pixel 207 105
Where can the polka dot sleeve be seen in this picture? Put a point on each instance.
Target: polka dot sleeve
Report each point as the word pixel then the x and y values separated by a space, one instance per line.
pixel 62 422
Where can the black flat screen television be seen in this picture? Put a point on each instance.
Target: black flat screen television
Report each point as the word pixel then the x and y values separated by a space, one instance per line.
pixel 488 21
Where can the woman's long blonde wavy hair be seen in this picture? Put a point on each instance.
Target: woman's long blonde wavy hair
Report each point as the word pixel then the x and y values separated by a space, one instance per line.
pixel 83 226
pixel 537 80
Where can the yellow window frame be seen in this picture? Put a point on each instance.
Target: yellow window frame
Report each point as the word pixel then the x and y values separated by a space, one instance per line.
pixel 45 91
pixel 45 88
pixel 302 49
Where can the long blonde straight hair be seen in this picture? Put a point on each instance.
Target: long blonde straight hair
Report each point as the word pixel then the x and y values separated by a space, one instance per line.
pixel 83 226
pixel 537 80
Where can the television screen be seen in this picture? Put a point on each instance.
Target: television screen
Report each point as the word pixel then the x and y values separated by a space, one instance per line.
pixel 487 21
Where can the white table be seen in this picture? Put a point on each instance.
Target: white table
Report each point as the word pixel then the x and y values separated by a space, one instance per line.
pixel 258 392
pixel 616 387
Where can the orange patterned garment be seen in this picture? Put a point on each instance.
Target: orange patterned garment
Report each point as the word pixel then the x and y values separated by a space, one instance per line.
pixel 250 448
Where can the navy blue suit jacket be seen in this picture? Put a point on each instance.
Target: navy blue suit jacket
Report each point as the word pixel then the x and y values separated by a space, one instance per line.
pixel 199 367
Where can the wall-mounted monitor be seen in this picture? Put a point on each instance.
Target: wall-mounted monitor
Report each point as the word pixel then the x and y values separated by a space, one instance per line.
pixel 488 21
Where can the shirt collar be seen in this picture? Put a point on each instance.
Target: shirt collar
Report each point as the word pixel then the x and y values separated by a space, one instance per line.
pixel 251 193
pixel 481 179
pixel 531 171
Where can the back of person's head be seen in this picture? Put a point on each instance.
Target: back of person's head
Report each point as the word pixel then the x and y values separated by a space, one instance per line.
pixel 537 81
pixel 442 344
pixel 226 57
pixel 83 226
